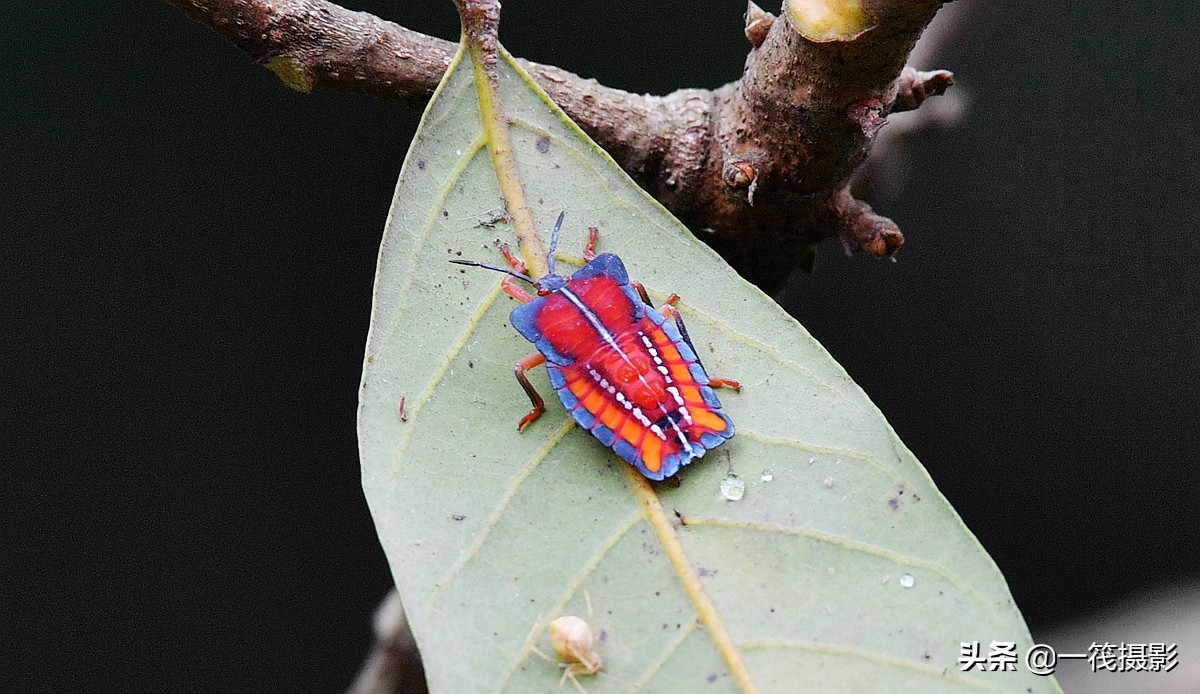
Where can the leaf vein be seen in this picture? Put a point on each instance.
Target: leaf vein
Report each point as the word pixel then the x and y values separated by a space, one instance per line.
pixel 878 658
pixel 824 450
pixel 434 379
pixel 494 517
pixel 631 521
pixel 665 656
pixel 410 272
pixel 853 545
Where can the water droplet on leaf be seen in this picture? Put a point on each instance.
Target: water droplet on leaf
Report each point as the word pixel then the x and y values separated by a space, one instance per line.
pixel 733 488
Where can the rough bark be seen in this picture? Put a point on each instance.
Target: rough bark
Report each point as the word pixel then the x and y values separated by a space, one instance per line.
pixel 758 168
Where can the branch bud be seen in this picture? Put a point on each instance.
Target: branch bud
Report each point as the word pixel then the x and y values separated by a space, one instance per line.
pixel 758 23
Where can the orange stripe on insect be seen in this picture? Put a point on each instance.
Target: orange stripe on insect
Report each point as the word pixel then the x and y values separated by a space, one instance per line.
pixel 652 449
pixel 594 402
pixel 611 417
pixel 707 419
pixel 680 372
pixel 669 353
pixel 632 431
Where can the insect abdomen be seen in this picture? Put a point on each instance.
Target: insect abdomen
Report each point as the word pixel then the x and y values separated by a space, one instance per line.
pixel 655 424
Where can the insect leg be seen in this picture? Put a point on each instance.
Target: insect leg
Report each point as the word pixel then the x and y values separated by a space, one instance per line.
pixel 724 383
pixel 641 290
pixel 668 310
pixel 539 406
pixel 589 251
pixel 516 291
pixel 509 284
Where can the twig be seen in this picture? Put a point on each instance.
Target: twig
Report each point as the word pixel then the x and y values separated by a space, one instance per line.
pixel 758 168
pixel 394 666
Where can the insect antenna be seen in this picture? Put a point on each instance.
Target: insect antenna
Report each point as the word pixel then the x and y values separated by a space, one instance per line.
pixel 554 239
pixel 497 268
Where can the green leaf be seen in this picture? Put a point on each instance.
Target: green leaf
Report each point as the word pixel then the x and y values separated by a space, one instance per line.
pixel 841 569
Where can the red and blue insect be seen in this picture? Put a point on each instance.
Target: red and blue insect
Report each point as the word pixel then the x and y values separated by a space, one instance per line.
pixel 624 372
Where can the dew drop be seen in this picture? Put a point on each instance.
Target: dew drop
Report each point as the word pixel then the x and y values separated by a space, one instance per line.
pixel 767 476
pixel 907 581
pixel 829 482
pixel 733 488
pixel 458 152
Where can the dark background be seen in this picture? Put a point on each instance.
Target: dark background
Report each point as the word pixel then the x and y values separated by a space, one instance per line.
pixel 186 263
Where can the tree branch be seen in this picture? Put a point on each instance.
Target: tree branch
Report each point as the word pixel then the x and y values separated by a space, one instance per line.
pixel 393 666
pixel 758 168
